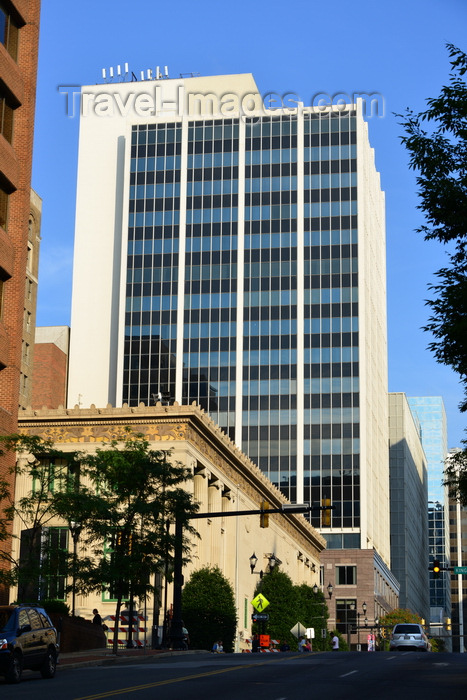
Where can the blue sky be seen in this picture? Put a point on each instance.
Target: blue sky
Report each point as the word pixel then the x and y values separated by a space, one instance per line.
pixel 396 49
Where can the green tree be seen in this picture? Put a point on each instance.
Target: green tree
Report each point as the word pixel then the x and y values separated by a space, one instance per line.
pixel 46 470
pixel 436 140
pixel 120 497
pixel 396 616
pixel 284 613
pixel 209 611
pixel 313 613
pixel 456 474
pixel 132 492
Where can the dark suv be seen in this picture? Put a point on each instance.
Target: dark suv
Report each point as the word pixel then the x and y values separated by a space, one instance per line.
pixel 27 640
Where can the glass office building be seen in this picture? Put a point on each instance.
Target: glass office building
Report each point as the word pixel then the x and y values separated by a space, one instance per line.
pixel 431 415
pixel 246 273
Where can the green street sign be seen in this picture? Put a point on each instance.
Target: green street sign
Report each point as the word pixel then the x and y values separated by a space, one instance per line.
pixel 460 569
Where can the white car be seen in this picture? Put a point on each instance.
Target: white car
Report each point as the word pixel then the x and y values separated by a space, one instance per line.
pixel 409 636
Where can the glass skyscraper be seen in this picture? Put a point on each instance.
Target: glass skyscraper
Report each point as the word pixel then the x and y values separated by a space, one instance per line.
pixel 238 261
pixel 431 416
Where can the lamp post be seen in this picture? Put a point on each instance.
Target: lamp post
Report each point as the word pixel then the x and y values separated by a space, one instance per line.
pixel 272 561
pixel 352 608
pixel 75 530
pixel 359 648
pixel 324 605
pixel 329 589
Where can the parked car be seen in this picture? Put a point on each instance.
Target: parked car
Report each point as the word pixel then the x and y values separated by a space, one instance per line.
pixel 28 639
pixel 409 636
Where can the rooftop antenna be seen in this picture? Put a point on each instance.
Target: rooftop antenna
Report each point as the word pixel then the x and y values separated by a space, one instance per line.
pixel 108 76
pixel 158 73
pixel 166 71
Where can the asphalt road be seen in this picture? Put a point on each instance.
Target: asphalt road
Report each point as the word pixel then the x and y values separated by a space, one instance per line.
pixel 289 676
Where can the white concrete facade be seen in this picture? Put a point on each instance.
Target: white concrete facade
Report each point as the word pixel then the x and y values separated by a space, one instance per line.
pixel 96 352
pixel 107 113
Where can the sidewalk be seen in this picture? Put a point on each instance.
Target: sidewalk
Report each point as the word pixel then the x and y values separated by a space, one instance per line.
pixel 105 657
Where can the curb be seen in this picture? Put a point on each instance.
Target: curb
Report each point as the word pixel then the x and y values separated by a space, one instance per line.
pixel 110 660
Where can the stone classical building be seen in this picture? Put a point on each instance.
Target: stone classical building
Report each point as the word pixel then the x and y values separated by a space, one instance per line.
pixel 224 480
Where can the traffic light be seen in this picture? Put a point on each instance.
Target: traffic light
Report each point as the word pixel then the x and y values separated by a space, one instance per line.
pixel 326 512
pixel 436 568
pixel 448 624
pixel 264 517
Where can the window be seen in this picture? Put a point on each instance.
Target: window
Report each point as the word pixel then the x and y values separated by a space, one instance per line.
pixel 3 279
pixel 346 575
pixel 54 563
pixel 36 622
pixel 6 119
pixel 4 198
pixel 110 591
pixel 8 32
pixel 346 616
pixel 26 352
pixel 30 256
pixel 55 476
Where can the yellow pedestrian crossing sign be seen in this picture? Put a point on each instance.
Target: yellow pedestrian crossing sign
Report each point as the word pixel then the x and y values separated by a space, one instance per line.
pixel 260 602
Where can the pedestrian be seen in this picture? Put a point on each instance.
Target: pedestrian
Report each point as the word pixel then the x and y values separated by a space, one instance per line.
pixel 255 643
pixel 97 619
pixel 307 645
pixel 301 645
pixel 335 642
pixel 186 638
pixel 218 648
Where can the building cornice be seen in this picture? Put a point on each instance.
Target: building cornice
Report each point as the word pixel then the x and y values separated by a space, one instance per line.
pixel 173 424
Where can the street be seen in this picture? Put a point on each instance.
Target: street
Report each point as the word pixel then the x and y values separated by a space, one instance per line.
pixel 289 676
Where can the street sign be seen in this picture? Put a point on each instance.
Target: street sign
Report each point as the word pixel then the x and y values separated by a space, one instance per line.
pixel 460 569
pixel 298 630
pixel 260 617
pixel 260 602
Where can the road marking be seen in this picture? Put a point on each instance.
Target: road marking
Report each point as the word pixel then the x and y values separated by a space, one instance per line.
pixel 347 674
pixel 132 689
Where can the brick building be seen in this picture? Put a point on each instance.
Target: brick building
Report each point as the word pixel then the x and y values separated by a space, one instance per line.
pixel 30 302
pixel 50 367
pixel 19 35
